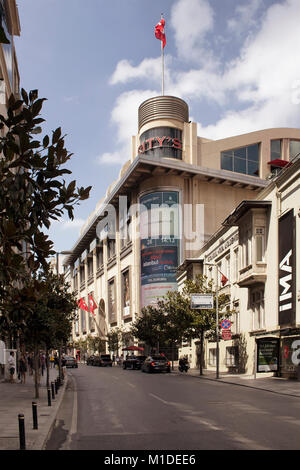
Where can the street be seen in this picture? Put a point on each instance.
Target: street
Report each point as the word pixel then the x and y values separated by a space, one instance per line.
pixel 114 409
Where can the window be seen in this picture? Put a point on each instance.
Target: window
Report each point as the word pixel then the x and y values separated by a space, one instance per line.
pixel 276 146
pixel 242 160
pixel 90 267
pixel 235 319
pixel 260 244
pixel 294 148
pixel 236 264
pixel 231 356
pixel 258 308
pixel 246 252
pixel 227 267
pixel 99 256
pixel 83 321
pixel 212 357
pixel 111 247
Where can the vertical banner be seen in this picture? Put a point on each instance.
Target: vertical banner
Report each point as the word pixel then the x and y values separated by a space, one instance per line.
pixel 160 245
pixel 286 270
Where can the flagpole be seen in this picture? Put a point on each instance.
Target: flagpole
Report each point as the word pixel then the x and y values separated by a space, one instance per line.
pixel 162 65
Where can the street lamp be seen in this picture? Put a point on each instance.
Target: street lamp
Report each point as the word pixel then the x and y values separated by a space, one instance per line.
pixel 217 318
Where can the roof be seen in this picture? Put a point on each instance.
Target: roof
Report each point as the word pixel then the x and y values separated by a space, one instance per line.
pixel 242 208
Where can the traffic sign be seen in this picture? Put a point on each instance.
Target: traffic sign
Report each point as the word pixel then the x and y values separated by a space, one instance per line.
pixel 226 334
pixel 226 324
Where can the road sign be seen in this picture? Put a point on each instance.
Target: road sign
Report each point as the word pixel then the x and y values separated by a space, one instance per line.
pixel 226 334
pixel 226 324
pixel 202 301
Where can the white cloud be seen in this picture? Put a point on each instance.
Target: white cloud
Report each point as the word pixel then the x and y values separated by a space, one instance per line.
pixel 191 21
pixel 246 16
pixel 125 71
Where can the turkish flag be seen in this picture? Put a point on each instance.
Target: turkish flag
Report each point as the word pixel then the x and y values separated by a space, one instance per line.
pixel 160 32
pixel 223 280
pixel 81 304
pixel 93 304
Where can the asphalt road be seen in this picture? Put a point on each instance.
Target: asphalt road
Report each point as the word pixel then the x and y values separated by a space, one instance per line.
pixel 115 409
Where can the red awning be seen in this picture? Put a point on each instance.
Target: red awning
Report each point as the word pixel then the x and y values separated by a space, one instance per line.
pixel 278 162
pixel 133 348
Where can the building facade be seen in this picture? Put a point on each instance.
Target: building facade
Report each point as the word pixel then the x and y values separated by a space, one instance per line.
pixel 169 200
pixel 257 251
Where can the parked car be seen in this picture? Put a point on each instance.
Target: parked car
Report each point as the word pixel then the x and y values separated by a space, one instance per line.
pixel 90 360
pixel 69 361
pixel 102 361
pixel 156 363
pixel 133 362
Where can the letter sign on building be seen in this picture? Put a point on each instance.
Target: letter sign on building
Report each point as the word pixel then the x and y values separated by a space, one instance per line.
pixel 286 270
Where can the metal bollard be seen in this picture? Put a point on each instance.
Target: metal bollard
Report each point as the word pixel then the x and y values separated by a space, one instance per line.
pixel 22 432
pixel 34 415
pixel 49 396
pixel 53 390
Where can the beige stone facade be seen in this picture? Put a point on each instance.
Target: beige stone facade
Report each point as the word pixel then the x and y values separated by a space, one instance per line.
pixel 169 159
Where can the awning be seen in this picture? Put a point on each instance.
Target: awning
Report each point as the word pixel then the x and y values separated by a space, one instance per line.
pixel 133 348
pixel 278 162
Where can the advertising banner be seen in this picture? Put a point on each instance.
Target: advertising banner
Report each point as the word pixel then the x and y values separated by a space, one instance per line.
pixel 160 245
pixel 267 354
pixel 202 301
pixel 286 270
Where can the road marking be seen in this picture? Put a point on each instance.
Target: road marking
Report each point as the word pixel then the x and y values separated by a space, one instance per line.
pixel 160 399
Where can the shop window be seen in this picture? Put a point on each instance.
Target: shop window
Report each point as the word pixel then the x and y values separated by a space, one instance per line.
pixel 242 160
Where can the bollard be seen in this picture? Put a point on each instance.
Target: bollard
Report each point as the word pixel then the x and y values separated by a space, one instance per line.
pixel 22 432
pixel 52 390
pixel 34 415
pixel 49 397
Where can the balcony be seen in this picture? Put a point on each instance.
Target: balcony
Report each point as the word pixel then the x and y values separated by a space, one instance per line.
pixel 252 274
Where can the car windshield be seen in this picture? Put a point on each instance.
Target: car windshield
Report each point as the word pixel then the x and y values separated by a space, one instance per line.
pixel 105 357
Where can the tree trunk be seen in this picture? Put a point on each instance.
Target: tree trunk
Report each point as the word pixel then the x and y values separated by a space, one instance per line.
pixel 201 352
pixel 47 366
pixel 36 372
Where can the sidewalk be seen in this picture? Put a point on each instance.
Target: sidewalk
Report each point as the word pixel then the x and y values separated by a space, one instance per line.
pixel 261 382
pixel 17 399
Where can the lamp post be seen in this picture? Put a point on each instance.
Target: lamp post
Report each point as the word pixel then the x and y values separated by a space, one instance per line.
pixel 217 319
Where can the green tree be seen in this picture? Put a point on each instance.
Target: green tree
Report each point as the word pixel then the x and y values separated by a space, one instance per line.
pixel 203 324
pixel 114 339
pixel 150 327
pixel 33 192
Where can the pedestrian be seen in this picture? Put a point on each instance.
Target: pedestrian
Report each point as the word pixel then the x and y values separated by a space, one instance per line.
pixel 30 363
pixel 42 363
pixel 12 366
pixel 56 362
pixel 22 368
pixel 51 360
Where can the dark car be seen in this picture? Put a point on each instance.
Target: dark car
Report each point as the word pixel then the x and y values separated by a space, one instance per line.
pixel 90 360
pixel 156 363
pixel 133 362
pixel 102 361
pixel 69 361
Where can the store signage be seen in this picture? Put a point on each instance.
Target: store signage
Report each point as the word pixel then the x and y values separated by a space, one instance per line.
pixel 286 300
pixel 267 354
pixel 202 301
pixel 159 142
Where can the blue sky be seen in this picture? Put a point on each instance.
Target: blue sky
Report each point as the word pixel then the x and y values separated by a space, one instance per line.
pixel 235 62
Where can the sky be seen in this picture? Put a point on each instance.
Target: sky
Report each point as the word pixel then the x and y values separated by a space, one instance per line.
pixel 235 62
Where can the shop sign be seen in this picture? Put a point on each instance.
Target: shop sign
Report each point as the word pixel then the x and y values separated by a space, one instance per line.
pixel 202 301
pixel 267 354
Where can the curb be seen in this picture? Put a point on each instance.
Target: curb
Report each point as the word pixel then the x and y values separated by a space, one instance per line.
pixel 239 384
pixel 41 441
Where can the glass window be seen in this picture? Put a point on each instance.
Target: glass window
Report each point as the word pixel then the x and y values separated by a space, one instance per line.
pixel 227 162
pixel 242 160
pixel 294 148
pixel 275 149
pixel 212 357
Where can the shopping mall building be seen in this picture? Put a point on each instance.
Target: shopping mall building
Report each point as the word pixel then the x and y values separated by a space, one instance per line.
pixel 167 206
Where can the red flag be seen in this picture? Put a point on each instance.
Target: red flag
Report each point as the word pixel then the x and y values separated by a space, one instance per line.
pixel 223 280
pixel 81 304
pixel 93 304
pixel 160 32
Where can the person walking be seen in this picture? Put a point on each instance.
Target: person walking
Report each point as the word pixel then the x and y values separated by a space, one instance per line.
pixel 22 368
pixel 12 366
